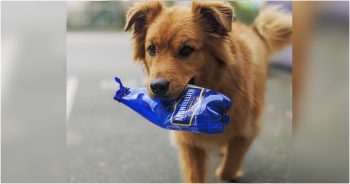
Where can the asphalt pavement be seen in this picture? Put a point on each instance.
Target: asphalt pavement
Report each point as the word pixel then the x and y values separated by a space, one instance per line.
pixel 108 142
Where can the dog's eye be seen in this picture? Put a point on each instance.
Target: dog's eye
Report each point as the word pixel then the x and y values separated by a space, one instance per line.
pixel 152 50
pixel 186 51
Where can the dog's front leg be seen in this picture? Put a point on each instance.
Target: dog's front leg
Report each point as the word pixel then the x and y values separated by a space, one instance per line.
pixel 193 162
pixel 234 151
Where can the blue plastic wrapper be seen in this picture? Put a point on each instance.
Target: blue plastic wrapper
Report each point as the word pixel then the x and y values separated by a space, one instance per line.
pixel 198 109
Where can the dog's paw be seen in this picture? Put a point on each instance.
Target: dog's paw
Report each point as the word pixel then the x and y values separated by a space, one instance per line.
pixel 228 176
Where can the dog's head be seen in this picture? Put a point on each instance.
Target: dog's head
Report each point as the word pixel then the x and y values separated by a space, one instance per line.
pixel 173 43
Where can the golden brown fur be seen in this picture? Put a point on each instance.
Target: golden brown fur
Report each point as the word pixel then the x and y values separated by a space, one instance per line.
pixel 227 57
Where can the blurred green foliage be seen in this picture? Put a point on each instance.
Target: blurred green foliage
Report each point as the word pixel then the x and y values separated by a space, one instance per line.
pixel 99 15
pixel 110 15
pixel 245 11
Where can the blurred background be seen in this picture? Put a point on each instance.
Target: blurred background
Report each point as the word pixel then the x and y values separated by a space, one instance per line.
pixel 59 121
pixel 107 142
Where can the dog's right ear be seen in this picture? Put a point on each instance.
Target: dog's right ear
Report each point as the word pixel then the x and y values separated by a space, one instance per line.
pixel 139 17
pixel 214 16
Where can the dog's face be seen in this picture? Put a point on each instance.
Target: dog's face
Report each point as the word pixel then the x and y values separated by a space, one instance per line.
pixel 172 42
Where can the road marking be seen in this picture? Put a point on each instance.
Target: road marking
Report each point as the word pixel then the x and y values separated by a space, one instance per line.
pixel 72 87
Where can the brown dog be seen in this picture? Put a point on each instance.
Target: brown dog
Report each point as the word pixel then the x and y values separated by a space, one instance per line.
pixel 201 45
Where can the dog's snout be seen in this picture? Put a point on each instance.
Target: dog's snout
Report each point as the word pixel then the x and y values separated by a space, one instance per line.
pixel 160 86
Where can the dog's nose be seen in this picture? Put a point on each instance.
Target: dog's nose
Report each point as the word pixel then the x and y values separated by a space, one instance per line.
pixel 160 86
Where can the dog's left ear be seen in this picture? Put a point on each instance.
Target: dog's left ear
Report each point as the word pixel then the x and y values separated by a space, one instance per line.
pixel 138 19
pixel 214 16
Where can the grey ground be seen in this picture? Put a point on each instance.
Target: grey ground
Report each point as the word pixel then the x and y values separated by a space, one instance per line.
pixel 108 142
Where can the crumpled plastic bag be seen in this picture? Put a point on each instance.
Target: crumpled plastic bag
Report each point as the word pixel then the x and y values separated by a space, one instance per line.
pixel 198 109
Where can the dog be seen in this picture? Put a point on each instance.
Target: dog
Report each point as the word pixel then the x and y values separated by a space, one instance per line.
pixel 201 45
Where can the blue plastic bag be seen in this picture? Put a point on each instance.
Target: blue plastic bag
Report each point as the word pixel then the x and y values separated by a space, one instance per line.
pixel 197 110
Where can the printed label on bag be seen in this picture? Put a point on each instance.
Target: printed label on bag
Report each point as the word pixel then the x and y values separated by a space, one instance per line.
pixel 186 107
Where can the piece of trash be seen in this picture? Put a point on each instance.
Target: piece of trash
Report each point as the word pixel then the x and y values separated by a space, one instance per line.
pixel 198 109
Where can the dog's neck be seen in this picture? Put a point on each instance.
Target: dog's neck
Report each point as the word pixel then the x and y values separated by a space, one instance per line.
pixel 211 74
pixel 222 71
pixel 216 76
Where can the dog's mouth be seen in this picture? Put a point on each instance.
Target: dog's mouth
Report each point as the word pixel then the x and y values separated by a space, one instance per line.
pixel 192 82
pixel 170 95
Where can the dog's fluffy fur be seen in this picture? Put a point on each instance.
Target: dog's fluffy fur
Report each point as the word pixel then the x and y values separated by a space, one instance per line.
pixel 227 57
